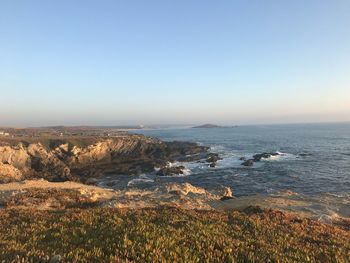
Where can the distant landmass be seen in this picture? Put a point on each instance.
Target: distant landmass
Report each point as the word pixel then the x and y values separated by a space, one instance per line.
pixel 206 126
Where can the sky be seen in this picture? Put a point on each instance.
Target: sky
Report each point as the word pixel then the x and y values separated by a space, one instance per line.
pixel 112 62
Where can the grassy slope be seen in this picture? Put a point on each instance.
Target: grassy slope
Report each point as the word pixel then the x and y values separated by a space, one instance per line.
pixel 168 235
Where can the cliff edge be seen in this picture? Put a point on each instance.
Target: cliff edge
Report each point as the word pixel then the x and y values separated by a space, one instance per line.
pixel 64 160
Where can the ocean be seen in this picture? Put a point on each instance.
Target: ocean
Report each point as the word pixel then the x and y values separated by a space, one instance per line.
pixel 314 162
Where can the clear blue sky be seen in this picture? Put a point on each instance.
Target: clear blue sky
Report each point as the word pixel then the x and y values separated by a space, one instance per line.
pixel 128 62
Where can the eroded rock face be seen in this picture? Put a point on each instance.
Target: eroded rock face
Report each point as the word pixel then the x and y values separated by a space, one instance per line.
pixel 9 173
pixel 46 164
pixel 127 154
pixel 17 156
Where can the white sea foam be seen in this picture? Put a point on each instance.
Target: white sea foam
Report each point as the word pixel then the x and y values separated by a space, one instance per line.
pixel 217 148
pixel 186 172
pixel 280 156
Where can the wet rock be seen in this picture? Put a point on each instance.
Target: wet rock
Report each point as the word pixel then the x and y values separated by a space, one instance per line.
pixel 242 158
pixel 248 163
pixel 265 155
pixel 213 157
pixel 192 157
pixel 169 171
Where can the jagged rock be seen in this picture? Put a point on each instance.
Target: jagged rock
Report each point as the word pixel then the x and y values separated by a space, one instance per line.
pixel 47 165
pixel 259 156
pixel 222 193
pixel 17 156
pixel 185 189
pixel 249 162
pixel 227 192
pixel 169 171
pixel 213 157
pixel 9 173
pixel 127 154
pixel 242 158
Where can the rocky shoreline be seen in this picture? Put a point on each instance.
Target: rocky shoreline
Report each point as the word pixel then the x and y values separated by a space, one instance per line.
pixel 64 160
pixel 47 193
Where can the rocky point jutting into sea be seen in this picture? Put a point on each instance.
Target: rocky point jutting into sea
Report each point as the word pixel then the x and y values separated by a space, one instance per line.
pixel 40 163
pixel 62 159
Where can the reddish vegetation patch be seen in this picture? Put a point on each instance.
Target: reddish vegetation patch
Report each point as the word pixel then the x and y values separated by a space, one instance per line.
pixel 168 235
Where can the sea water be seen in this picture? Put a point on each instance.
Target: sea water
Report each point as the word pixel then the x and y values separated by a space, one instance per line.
pixel 313 162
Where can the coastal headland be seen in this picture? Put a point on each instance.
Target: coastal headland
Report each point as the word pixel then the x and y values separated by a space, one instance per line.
pixel 53 210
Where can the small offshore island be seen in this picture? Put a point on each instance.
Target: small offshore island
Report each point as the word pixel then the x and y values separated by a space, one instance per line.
pixel 53 208
pixel 206 126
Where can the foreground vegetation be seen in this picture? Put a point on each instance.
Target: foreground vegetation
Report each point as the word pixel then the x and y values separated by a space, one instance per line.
pixel 167 235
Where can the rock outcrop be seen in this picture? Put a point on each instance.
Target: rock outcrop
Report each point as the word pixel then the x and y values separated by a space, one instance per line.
pixel 170 171
pixel 44 195
pixel 257 158
pixel 9 173
pixel 127 154
pixel 248 163
pixel 212 159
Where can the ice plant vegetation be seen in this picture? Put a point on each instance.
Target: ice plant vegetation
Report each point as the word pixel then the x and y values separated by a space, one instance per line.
pixel 167 235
